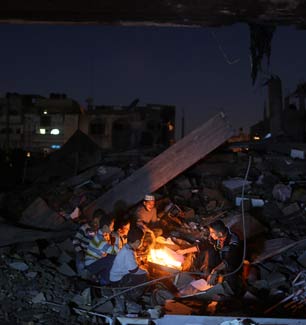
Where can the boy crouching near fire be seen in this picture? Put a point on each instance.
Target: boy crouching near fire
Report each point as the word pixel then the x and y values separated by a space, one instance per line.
pixel 126 272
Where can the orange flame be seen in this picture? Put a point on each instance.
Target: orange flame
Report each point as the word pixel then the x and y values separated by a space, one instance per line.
pixel 166 257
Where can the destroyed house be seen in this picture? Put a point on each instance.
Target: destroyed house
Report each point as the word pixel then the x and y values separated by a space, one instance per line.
pixel 126 127
pixel 38 124
pixel 282 116
pixel 35 123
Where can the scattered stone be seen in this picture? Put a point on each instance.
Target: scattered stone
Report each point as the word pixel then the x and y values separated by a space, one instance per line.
pixel 39 298
pixel 20 266
pixel 66 270
pixel 282 192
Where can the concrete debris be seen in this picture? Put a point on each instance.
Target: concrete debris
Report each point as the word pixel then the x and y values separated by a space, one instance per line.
pixel 302 259
pixel 39 298
pixel 282 192
pixel 20 266
pixel 38 278
pixel 66 270
pixel 234 186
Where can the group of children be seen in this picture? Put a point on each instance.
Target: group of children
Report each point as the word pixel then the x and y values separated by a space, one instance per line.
pixel 108 255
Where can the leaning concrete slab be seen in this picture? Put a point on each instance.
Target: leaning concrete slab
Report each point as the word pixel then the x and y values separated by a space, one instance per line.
pixel 166 166
pixel 38 215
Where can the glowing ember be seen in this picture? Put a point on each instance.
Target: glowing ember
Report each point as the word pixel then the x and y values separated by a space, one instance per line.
pixel 166 257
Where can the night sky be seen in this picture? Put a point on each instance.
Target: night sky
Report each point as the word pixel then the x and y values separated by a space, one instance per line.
pixel 200 70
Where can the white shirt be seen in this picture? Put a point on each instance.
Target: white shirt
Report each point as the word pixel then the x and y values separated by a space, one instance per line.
pixel 124 263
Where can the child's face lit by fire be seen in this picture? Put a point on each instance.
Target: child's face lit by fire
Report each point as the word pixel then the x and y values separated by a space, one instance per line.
pixel 107 230
pixel 123 231
pixel 149 205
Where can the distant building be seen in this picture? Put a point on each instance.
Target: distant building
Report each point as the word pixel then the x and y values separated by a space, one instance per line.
pixel 122 128
pixel 283 117
pixel 36 123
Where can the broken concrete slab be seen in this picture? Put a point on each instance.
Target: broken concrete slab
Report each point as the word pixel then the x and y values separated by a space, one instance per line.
pixel 52 251
pixel 39 216
pixel 252 226
pixel 20 266
pixel 102 175
pixel 166 166
pixel 282 192
pixel 275 247
pixel 65 269
pixel 291 209
pixel 302 259
pixel 233 186
pixel 39 298
pixel 11 235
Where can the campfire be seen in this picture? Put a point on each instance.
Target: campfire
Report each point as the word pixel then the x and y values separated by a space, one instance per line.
pixel 166 257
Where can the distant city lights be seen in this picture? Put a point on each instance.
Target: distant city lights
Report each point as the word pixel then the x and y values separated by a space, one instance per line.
pixel 55 132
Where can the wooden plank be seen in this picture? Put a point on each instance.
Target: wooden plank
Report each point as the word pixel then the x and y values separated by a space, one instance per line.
pixel 166 166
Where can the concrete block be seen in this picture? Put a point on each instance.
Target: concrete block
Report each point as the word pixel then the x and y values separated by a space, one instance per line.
pixel 66 270
pixel 302 259
pixel 291 209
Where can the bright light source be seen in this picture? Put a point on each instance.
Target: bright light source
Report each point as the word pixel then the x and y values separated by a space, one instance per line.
pixel 45 112
pixel 267 136
pixel 28 154
pixel 170 126
pixel 42 131
pixel 55 146
pixel 55 131
pixel 256 137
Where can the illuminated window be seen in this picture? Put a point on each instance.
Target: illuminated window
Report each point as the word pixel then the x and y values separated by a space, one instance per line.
pixel 55 131
pixel 42 131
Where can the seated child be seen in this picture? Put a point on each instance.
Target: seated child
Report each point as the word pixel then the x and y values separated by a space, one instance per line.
pixel 81 240
pixel 101 251
pixel 121 232
pixel 125 270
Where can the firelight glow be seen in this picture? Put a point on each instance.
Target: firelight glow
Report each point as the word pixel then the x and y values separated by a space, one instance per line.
pixel 161 257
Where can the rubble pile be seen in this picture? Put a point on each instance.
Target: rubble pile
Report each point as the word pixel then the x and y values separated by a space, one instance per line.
pixel 34 290
pixel 38 280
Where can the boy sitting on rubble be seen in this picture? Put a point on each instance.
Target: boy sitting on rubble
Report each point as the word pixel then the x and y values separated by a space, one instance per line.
pixel 122 228
pixel 126 272
pixel 83 236
pixel 101 251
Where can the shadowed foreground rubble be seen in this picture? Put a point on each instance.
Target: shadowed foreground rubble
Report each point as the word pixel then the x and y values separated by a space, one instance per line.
pixel 38 283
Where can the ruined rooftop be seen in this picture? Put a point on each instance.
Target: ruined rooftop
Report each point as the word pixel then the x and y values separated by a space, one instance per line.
pixel 162 13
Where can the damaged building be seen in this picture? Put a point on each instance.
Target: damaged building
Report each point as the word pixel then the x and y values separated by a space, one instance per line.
pixel 37 124
pixel 128 127
pixel 283 117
